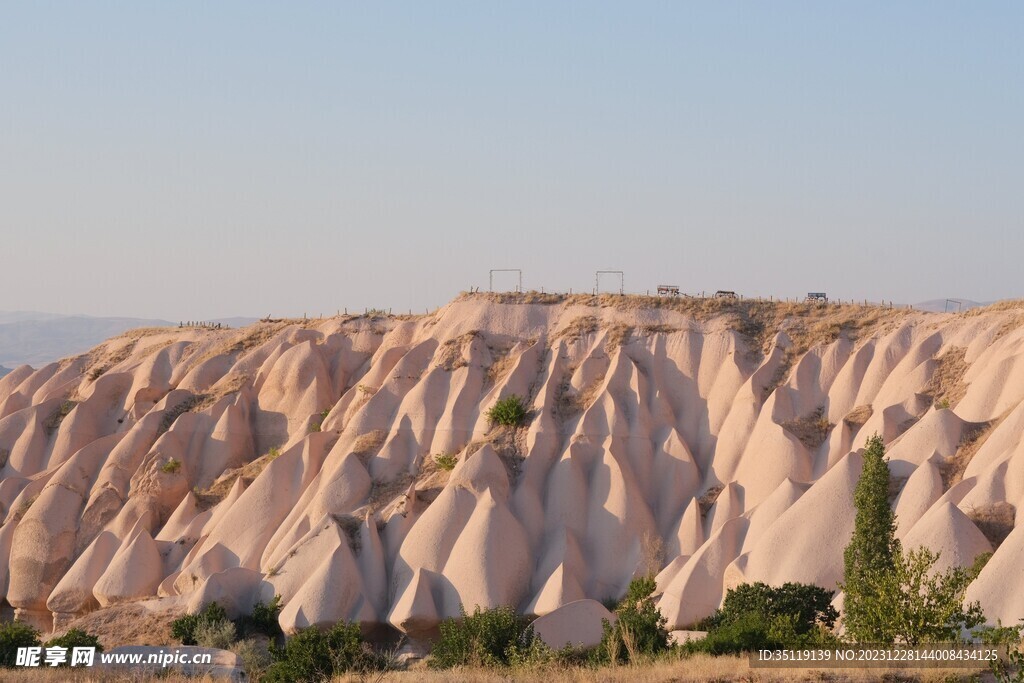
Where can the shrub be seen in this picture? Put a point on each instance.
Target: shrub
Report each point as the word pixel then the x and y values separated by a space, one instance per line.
pixel 262 620
pixel 171 466
pixel 75 638
pixel 509 411
pixel 218 634
pixel 756 630
pixel 639 630
pixel 13 635
pixel 312 655
pixel 255 657
pixel 446 461
pixel 274 452
pixel 490 637
pixel 810 605
pixel 185 628
pixel 317 424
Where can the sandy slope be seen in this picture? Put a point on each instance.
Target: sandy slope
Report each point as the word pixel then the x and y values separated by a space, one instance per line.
pixel 713 442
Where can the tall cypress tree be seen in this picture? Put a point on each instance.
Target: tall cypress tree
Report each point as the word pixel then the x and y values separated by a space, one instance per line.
pixel 872 552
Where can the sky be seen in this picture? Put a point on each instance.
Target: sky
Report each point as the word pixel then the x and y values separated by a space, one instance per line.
pixel 189 160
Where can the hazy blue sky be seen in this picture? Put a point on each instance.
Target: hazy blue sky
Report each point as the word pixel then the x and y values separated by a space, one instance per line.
pixel 190 160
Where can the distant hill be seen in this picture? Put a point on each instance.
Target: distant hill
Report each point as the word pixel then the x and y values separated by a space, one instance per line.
pixel 36 338
pixel 4 371
pixel 949 305
pixel 39 338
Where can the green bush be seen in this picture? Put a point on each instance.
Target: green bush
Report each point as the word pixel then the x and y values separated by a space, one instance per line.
pixel 509 411
pixel 446 461
pixel 490 637
pixel 314 655
pixel 186 628
pixel 13 635
pixel 756 630
pixel 810 605
pixel 262 620
pixel 639 630
pixel 171 466
pixel 75 638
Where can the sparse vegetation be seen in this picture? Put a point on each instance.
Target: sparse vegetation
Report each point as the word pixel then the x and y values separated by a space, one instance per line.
pixel 508 412
pixel 172 466
pixel 367 445
pixel 618 334
pixel 995 521
pixel 52 423
pixel 446 461
pixel 177 411
pixel 811 430
pixel 973 436
pixel 946 385
pixel 578 328
pixel 708 498
pixel 317 424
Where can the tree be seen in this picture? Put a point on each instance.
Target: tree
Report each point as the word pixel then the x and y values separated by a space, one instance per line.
pixel 918 604
pixel 872 551
pixel 893 596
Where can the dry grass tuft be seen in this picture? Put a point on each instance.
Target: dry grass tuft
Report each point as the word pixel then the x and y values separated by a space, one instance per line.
pixel 127 624
pixel 859 416
pixel 501 365
pixel 946 385
pixel 172 414
pixel 52 423
pixel 222 486
pixel 451 355
pixel 577 329
pixel 811 429
pixel 648 330
pixel 367 445
pixel 618 334
pixel 996 521
pixel 708 499
pixel 570 403
pixel 972 437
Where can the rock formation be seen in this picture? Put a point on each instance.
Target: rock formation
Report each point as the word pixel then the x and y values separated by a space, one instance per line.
pixel 709 442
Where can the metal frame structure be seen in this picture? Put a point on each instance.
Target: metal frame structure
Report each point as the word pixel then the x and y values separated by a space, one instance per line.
pixel 668 290
pixel 519 287
pixel 959 305
pixel 597 280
